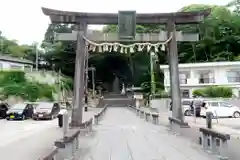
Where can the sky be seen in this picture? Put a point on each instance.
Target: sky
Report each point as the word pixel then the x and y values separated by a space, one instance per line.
pixel 23 20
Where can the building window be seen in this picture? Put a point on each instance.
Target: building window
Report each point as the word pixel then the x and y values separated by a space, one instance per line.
pixel 12 66
pixel 185 93
pixel 233 76
pixel 27 68
pixel 183 76
pixel 206 77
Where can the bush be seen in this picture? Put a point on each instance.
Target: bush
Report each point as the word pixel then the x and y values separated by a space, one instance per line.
pixel 218 91
pixel 199 92
pixel 14 89
pixel 67 83
pixel 46 91
pixel 8 77
pixel 14 83
pixel 36 91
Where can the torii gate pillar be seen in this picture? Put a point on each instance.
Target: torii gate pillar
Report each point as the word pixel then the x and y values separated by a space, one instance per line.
pixel 78 76
pixel 174 73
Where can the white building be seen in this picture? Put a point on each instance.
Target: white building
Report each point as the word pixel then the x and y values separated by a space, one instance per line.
pixel 197 75
pixel 12 63
pixel 8 63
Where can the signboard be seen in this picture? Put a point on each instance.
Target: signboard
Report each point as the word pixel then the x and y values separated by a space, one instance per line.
pixel 138 96
pixel 126 25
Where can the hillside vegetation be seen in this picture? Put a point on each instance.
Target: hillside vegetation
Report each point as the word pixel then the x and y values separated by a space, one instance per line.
pixel 15 83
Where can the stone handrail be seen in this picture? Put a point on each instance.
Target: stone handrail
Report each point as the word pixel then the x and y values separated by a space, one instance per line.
pixel 67 147
pixel 214 141
pixel 51 154
pixel 211 140
pixel 98 116
pixel 145 115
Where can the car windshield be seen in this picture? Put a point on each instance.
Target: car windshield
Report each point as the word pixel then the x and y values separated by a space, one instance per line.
pixel 18 106
pixel 44 106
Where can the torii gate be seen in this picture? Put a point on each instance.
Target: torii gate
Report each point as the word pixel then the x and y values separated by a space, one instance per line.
pixel 127 21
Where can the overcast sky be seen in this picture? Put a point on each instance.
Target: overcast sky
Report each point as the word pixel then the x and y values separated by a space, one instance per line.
pixel 24 21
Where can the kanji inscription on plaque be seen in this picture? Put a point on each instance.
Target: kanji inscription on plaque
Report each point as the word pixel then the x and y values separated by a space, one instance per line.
pixel 127 25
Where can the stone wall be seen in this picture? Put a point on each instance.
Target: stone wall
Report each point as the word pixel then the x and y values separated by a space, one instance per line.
pixel 44 77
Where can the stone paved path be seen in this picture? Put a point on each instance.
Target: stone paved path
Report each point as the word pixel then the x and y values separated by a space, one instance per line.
pixel 123 136
pixel 224 125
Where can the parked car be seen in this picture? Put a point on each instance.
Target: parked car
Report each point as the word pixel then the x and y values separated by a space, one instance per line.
pixel 20 111
pixel 193 107
pixel 34 104
pixel 220 108
pixel 46 110
pixel 185 106
pixel 3 110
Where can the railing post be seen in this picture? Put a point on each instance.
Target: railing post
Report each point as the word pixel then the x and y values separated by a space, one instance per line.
pixel 142 114
pixel 74 149
pixel 65 124
pixel 95 119
pixel 223 150
pixel 204 141
pixel 90 125
pixel 138 112
pixel 213 144
pixel 155 119
pixel 209 119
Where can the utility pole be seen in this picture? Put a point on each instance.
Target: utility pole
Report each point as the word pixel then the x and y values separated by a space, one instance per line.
pixel 36 52
pixel 59 85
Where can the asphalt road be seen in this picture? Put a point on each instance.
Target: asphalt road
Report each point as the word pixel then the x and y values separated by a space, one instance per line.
pixel 29 139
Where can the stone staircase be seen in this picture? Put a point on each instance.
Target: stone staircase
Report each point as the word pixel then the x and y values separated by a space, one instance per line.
pixel 116 100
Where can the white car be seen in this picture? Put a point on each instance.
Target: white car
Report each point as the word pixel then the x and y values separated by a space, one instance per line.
pixel 220 109
pixel 186 107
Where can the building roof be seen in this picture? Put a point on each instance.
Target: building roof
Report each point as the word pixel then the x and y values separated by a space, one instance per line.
pixel 14 59
pixel 205 64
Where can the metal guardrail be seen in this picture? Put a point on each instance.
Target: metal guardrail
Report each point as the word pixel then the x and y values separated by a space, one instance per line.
pixel 67 148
